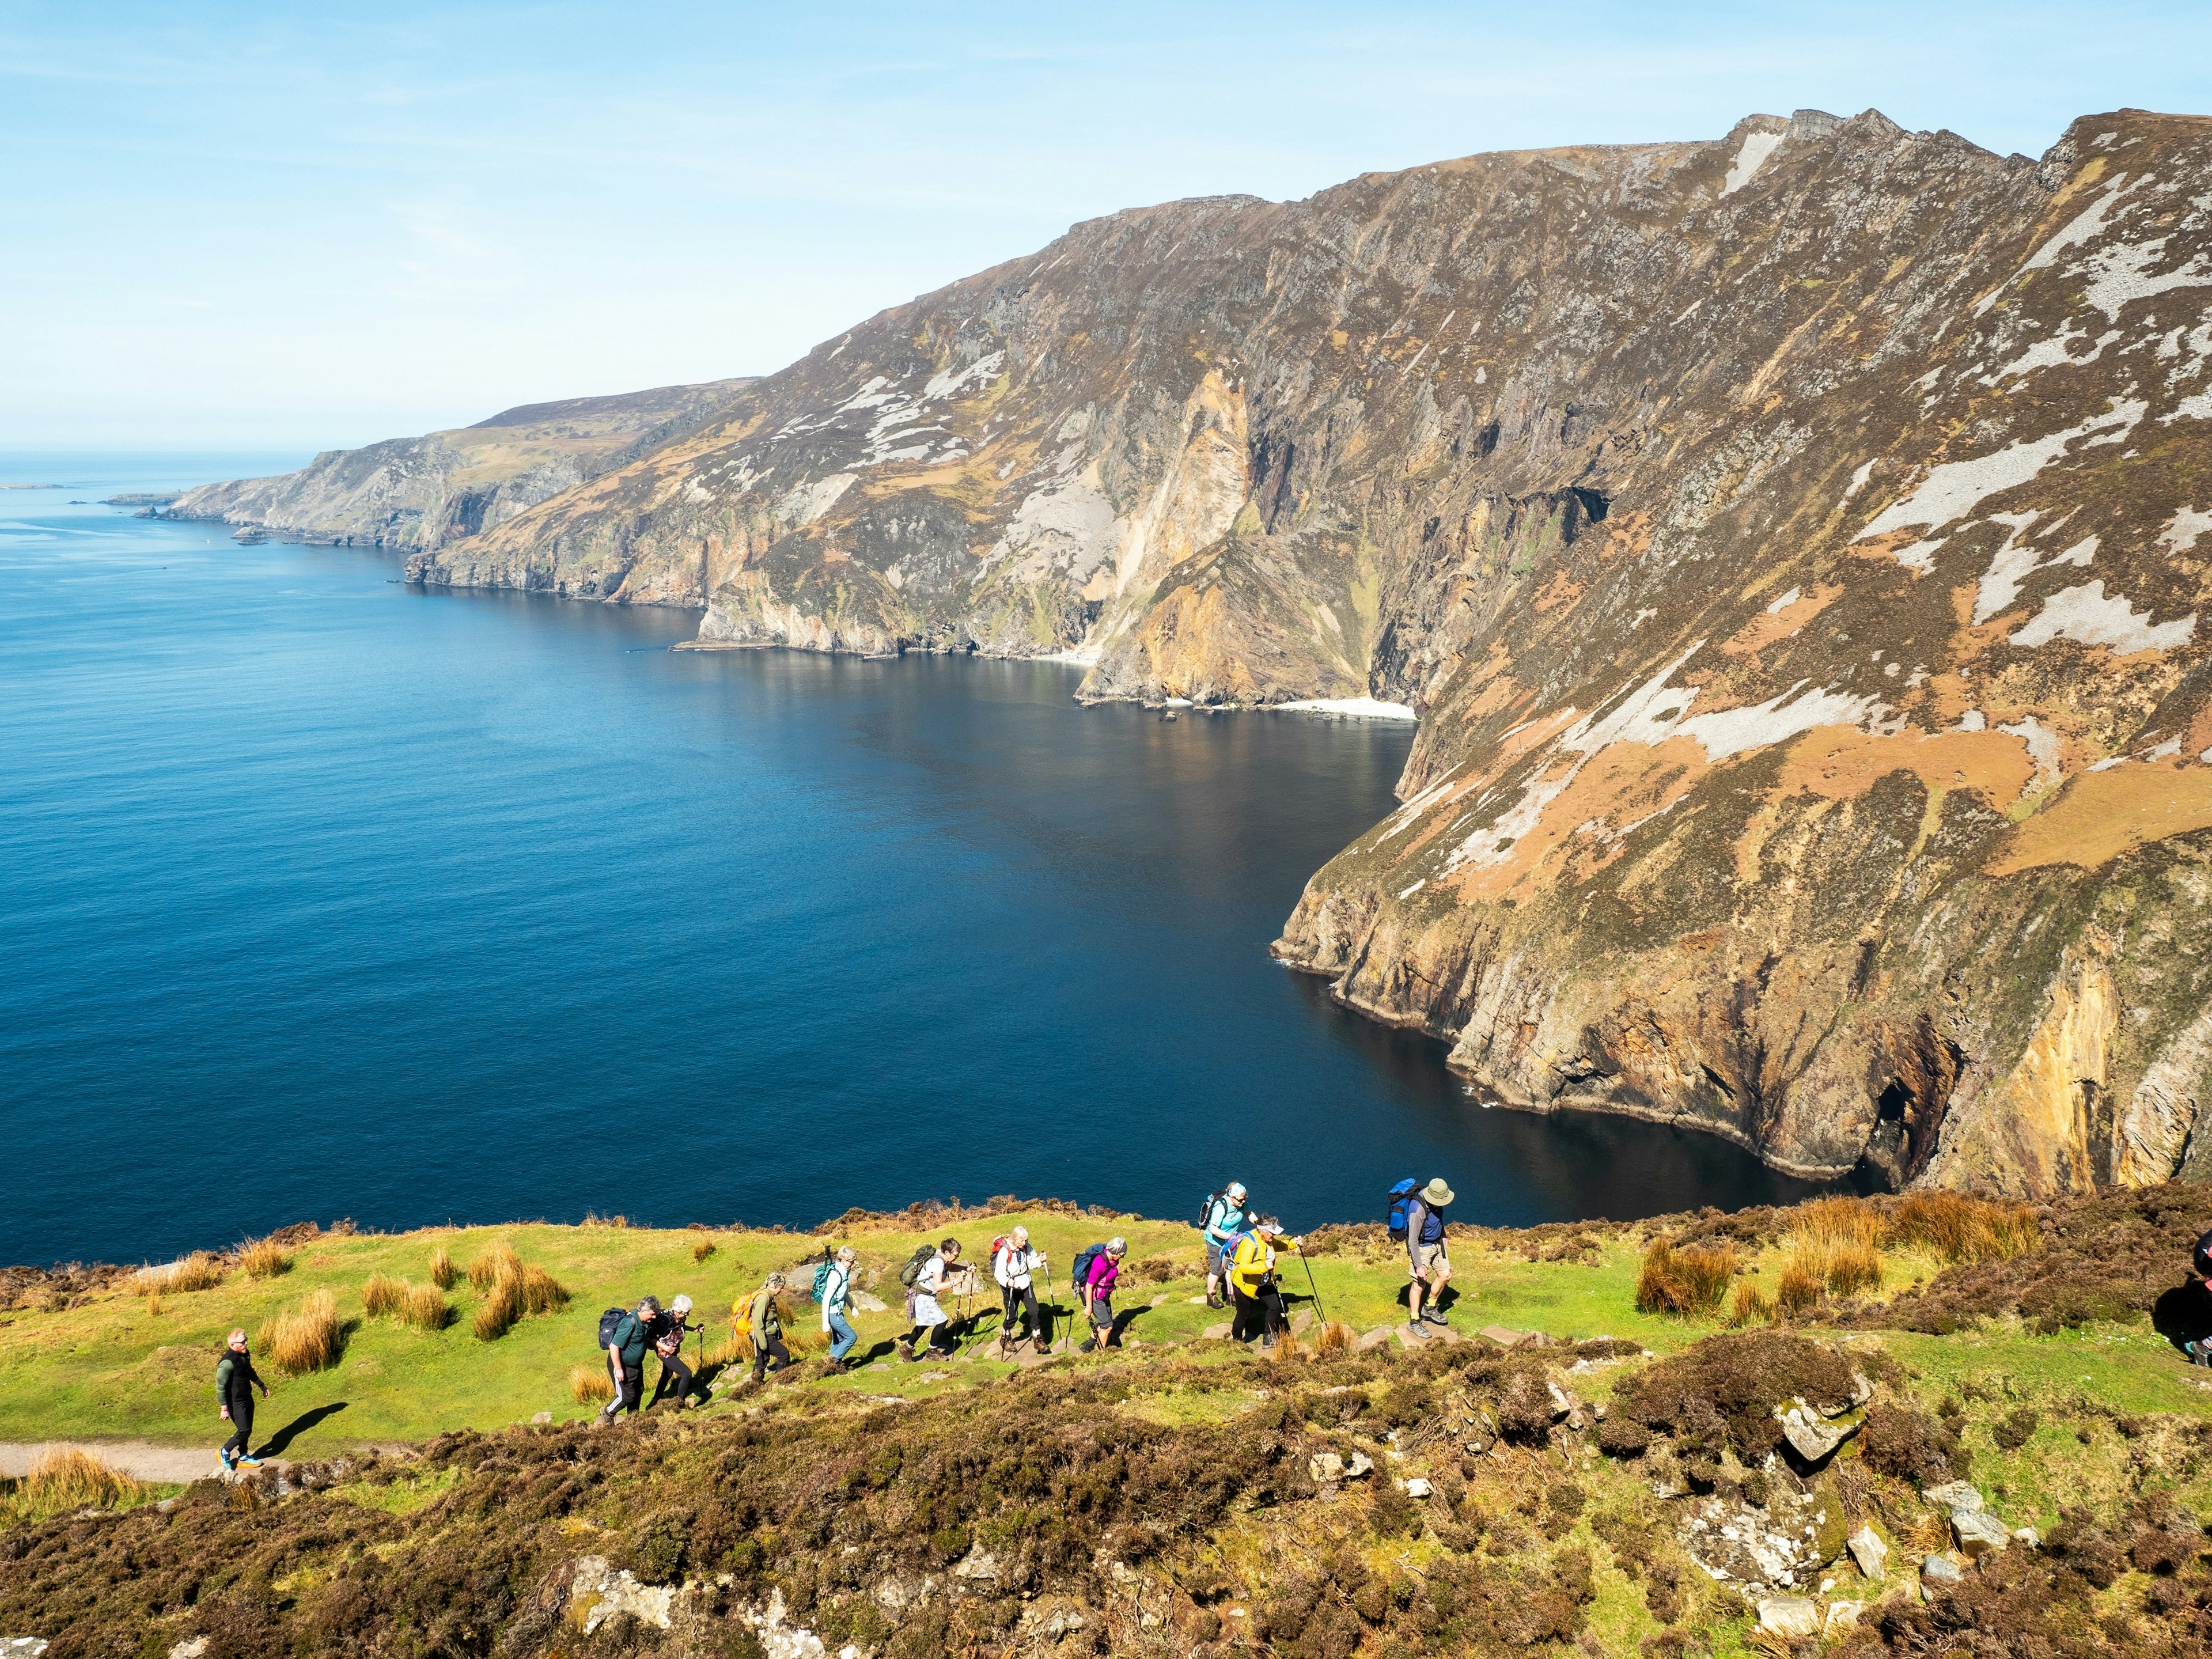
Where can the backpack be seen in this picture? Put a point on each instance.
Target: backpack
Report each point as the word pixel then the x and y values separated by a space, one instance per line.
pixel 1400 1195
pixel 1083 1258
pixel 2204 1257
pixel 608 1321
pixel 741 1318
pixel 821 1281
pixel 1205 1210
pixel 912 1272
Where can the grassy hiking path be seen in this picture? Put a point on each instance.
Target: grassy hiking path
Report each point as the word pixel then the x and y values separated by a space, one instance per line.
pixel 113 1368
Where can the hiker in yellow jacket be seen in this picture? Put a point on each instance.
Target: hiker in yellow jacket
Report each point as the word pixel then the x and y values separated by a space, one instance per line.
pixel 1252 1283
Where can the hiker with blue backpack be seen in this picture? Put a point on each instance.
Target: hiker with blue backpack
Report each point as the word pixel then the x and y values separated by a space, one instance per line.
pixel 1097 1270
pixel 833 1289
pixel 1223 1221
pixel 1417 1220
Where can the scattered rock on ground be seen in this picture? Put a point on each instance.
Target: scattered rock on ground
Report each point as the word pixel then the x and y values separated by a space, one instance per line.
pixel 1790 1615
pixel 1940 1573
pixel 1980 1533
pixel 1870 1551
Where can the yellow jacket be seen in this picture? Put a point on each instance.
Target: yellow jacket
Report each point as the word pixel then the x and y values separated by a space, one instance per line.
pixel 1253 1262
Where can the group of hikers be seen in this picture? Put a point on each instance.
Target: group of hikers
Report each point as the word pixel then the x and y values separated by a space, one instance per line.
pixel 1241 1262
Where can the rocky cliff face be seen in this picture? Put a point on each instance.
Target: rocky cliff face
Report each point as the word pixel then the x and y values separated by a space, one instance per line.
pixel 421 493
pixel 1794 546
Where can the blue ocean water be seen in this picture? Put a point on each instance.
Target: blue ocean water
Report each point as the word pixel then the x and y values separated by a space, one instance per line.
pixel 321 896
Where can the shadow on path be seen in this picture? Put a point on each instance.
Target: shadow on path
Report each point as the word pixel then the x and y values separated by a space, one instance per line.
pixel 276 1444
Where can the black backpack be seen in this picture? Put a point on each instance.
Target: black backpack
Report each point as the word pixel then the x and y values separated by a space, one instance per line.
pixel 909 1274
pixel 609 1322
pixel 2204 1257
pixel 1205 1210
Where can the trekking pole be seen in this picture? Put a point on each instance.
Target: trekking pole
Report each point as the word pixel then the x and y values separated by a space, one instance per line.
pixel 1312 1286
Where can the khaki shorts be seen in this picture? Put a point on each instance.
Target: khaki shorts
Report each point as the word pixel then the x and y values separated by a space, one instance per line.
pixel 1426 1259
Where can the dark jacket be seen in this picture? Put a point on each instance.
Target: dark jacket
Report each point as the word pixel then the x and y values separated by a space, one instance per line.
pixel 632 1337
pixel 235 1379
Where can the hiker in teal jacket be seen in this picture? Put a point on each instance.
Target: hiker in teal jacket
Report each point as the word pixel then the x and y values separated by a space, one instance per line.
pixel 633 1335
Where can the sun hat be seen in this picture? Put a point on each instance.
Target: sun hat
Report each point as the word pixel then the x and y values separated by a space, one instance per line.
pixel 1235 1191
pixel 1436 1193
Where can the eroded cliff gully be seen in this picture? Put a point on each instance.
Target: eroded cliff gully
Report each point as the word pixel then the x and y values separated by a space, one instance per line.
pixel 1793 546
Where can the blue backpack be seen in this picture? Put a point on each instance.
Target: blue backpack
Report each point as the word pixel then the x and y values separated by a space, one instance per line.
pixel 1083 1258
pixel 1402 1195
pixel 821 1281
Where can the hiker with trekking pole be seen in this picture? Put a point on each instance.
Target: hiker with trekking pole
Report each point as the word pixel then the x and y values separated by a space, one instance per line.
pixel 929 1274
pixel 1097 1270
pixel 1013 1264
pixel 1252 1282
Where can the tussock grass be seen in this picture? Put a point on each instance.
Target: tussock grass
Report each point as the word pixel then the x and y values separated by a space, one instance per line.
pixel 498 1262
pixel 542 1293
pixel 591 1385
pixel 1336 1337
pixel 1799 1290
pixel 307 1337
pixel 443 1273
pixel 1959 1228
pixel 67 1478
pixel 1748 1305
pixel 263 1258
pixel 426 1309
pixel 1685 1283
pixel 1853 1268
pixel 1837 1221
pixel 502 1308
pixel 197 1272
pixel 702 1250
pixel 384 1298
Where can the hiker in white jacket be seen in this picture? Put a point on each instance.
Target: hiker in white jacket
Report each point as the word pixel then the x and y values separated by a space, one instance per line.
pixel 1012 1264
pixel 838 1309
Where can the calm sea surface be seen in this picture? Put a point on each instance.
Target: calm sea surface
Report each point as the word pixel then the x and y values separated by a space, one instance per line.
pixel 321 896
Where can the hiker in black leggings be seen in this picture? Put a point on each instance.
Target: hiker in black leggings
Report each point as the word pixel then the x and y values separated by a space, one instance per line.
pixel 236 1380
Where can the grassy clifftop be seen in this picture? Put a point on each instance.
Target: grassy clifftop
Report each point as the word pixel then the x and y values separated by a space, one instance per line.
pixel 1625 1488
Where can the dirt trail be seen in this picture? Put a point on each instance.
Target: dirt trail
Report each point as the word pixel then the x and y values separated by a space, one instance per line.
pixel 167 1465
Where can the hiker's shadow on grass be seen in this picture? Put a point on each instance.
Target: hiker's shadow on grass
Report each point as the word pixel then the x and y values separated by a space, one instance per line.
pixel 276 1444
pixel 2183 1314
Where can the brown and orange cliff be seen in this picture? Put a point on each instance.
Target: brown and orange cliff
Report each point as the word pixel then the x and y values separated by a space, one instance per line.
pixel 1794 546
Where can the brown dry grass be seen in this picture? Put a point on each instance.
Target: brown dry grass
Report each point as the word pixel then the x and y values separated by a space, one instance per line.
pixel 382 1297
pixel 66 1478
pixel 442 1272
pixel 1799 1290
pixel 542 1293
pixel 591 1385
pixel 1336 1337
pixel 1748 1305
pixel 702 1250
pixel 501 1308
pixel 263 1258
pixel 499 1262
pixel 307 1337
pixel 1685 1283
pixel 1839 1222
pixel 197 1272
pixel 426 1309
pixel 1963 1230
pixel 1853 1268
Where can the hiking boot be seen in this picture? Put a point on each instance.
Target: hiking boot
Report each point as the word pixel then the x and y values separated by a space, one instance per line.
pixel 1042 1346
pixel 1433 1317
pixel 1266 1345
pixel 231 1464
pixel 906 1351
pixel 1213 1299
pixel 249 1462
pixel 1087 1345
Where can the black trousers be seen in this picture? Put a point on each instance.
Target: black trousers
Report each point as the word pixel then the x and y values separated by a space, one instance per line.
pixel 673 1368
pixel 1258 1314
pixel 764 1349
pixel 1019 1299
pixel 241 1427
pixel 626 1389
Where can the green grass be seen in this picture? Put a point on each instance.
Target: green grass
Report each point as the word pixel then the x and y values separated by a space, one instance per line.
pixel 111 1369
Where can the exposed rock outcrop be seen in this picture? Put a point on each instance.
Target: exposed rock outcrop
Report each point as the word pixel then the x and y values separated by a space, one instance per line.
pixel 421 493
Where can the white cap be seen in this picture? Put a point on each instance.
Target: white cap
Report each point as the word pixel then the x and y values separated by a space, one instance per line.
pixel 682 1304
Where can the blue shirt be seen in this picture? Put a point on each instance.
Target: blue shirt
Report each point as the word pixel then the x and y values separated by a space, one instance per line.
pixel 1225 1221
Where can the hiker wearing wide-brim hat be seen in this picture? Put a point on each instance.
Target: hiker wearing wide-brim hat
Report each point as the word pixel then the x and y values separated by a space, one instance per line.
pixel 1425 1254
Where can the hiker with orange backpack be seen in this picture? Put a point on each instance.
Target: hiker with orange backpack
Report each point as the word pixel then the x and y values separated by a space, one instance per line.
pixel 1013 1263
pixel 765 1320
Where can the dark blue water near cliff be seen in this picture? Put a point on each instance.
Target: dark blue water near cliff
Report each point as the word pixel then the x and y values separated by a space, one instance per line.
pixel 321 896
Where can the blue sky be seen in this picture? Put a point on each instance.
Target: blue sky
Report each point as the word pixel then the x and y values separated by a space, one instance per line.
pixel 236 225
